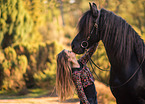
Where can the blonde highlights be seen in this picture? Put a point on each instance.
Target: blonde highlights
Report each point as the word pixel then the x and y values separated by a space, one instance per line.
pixel 64 83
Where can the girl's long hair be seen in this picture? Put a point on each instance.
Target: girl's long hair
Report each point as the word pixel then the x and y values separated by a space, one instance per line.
pixel 64 83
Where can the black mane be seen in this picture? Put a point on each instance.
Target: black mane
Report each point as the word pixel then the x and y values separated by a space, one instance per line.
pixel 120 36
pixel 85 23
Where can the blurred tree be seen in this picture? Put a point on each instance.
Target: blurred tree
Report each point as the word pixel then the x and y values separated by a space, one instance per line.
pixel 37 11
pixel 71 14
pixel 15 23
pixel 12 69
pixel 61 9
pixel 30 21
pixel 138 14
pixel 51 16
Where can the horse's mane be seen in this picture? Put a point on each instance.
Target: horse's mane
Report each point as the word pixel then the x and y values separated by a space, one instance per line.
pixel 116 34
pixel 120 36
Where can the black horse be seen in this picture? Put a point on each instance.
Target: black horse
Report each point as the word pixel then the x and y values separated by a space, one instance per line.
pixel 125 50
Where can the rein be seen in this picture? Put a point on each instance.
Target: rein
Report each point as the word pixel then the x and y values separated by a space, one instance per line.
pixel 97 66
pixel 90 60
pixel 132 74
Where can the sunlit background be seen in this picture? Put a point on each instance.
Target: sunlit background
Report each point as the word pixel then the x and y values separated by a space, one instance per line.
pixel 33 32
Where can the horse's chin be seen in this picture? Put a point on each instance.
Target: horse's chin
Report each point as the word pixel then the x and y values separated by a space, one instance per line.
pixel 79 51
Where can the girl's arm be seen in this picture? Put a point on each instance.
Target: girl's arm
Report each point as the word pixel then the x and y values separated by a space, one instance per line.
pixel 84 59
pixel 77 81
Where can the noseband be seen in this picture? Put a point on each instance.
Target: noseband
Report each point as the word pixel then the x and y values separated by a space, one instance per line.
pixel 85 44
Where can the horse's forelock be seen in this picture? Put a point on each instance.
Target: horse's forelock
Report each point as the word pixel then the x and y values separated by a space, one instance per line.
pixel 85 23
pixel 88 24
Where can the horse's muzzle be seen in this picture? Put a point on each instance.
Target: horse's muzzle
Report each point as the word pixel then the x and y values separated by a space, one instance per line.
pixel 76 49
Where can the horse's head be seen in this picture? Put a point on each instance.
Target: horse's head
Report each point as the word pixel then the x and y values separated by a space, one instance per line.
pixel 88 26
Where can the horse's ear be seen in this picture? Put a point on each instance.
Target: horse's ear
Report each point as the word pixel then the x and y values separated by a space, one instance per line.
pixel 93 8
pixel 90 6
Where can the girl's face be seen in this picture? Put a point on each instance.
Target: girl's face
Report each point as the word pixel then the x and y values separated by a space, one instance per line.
pixel 70 54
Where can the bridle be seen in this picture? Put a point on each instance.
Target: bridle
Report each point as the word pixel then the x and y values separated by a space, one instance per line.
pixel 85 44
pixel 118 86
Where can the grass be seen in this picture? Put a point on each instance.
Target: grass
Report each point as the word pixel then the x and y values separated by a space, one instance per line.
pixel 32 93
pixel 45 96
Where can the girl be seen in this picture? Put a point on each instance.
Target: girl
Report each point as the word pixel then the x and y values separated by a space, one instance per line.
pixel 73 73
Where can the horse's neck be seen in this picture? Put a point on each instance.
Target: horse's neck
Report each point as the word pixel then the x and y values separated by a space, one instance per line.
pixel 114 60
pixel 114 36
pixel 124 56
pixel 139 48
pixel 119 38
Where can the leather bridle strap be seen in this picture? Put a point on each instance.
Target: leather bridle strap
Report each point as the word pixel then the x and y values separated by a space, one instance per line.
pixel 85 44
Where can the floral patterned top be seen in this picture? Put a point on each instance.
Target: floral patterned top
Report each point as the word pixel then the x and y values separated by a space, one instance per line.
pixel 83 77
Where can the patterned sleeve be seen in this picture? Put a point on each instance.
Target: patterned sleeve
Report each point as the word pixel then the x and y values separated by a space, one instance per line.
pixel 84 59
pixel 77 81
